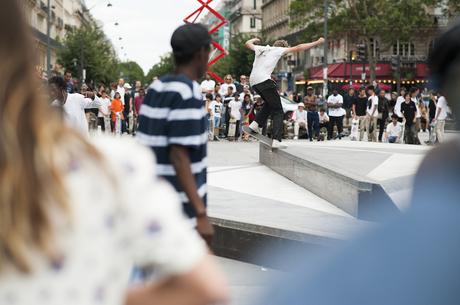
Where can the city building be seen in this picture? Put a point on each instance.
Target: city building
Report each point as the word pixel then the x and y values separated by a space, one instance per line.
pixel 65 16
pixel 307 67
pixel 244 16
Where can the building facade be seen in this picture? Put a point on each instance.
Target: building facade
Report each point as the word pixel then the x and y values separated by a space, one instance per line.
pixel 244 16
pixel 307 67
pixel 65 16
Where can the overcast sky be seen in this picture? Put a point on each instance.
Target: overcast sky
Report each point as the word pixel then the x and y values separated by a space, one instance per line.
pixel 145 26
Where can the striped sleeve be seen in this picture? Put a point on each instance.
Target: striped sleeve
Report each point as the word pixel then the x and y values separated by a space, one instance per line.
pixel 186 122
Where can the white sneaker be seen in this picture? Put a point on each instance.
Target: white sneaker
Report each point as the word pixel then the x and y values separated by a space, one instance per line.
pixel 296 138
pixel 278 144
pixel 254 126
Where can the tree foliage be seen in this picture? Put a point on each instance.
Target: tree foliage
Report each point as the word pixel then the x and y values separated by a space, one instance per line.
pixel 89 48
pixel 238 60
pixel 131 71
pixel 165 66
pixel 365 20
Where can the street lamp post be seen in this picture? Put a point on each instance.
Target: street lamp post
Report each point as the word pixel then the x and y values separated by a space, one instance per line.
pixel 325 72
pixel 48 39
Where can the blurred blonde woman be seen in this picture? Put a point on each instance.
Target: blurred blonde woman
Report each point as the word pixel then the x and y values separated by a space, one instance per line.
pixel 70 231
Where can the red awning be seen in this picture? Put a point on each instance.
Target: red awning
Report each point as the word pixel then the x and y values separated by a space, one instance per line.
pixel 343 71
pixel 334 71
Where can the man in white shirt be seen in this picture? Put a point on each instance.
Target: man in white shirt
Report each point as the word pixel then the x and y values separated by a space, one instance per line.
pixel 300 118
pixel 235 115
pixel 207 86
pixel 266 58
pixel 372 114
pixel 394 130
pixel 440 118
pixel 336 114
pixel 73 104
pixel 103 116
pixel 398 104
pixel 121 89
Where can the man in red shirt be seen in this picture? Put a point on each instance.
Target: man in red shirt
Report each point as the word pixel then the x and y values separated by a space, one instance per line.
pixel 138 101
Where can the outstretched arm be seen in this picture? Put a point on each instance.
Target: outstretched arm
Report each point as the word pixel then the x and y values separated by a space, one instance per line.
pixel 250 43
pixel 304 46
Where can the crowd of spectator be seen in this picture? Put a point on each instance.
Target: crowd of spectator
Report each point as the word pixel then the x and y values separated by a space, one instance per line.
pixel 368 113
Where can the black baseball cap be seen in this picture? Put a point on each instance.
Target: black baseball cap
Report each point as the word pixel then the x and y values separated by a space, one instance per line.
pixel 189 38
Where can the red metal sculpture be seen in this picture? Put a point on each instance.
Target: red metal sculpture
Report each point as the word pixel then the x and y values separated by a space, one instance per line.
pixel 218 47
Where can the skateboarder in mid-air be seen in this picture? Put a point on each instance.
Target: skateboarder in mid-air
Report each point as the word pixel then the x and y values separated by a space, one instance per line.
pixel 266 58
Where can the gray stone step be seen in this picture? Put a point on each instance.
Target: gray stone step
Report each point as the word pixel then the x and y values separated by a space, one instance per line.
pixel 340 174
pixel 250 227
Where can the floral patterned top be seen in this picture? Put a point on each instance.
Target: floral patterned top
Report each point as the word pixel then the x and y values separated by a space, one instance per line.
pixel 132 220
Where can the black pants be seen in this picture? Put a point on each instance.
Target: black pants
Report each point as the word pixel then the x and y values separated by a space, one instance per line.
pixel 272 106
pixel 100 122
pixel 335 120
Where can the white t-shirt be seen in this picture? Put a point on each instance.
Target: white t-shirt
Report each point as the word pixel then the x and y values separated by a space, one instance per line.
pixel 105 103
pixel 114 226
pixel 224 88
pixel 74 111
pixel 323 118
pixel 442 104
pixel 122 92
pixel 266 58
pixel 336 112
pixel 397 110
pixel 235 108
pixel 207 86
pixel 394 130
pixel 374 101
pixel 216 109
pixel 300 117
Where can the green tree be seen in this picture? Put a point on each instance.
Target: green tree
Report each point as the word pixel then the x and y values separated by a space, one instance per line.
pixel 89 48
pixel 131 71
pixel 238 60
pixel 365 20
pixel 165 66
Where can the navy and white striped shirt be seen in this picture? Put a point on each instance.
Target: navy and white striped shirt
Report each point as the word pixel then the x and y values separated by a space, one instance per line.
pixel 173 114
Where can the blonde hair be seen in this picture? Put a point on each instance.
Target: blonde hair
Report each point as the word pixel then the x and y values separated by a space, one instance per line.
pixel 281 43
pixel 31 167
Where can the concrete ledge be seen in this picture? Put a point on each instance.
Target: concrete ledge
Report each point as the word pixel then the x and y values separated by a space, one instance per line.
pixel 359 197
pixel 256 244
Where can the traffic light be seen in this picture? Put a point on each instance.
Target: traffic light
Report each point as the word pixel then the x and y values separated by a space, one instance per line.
pixel 362 52
pixel 395 63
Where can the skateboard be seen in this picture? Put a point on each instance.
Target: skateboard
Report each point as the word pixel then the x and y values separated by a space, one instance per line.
pixel 354 134
pixel 263 139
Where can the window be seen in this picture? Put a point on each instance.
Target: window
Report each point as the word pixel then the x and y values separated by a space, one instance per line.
pixel 253 22
pixel 375 48
pixel 255 4
pixel 406 49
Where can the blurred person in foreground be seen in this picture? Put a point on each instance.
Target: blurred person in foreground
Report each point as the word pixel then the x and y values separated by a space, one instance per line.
pixel 173 122
pixel 71 229
pixel 413 259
